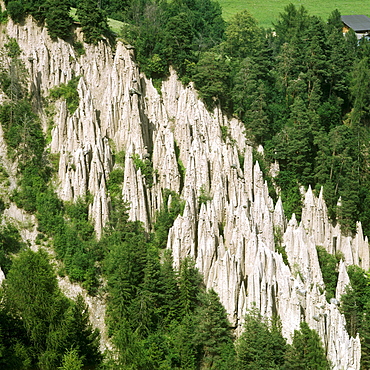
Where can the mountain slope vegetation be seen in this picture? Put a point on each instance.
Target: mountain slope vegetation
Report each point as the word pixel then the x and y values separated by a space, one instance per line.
pixel 300 92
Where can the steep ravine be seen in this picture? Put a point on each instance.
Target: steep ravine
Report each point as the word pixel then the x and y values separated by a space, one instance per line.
pixel 231 236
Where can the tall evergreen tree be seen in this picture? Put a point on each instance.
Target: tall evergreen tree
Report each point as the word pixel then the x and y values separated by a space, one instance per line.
pixel 58 21
pixel 213 333
pixel 84 338
pixel 306 351
pixel 365 337
pixel 185 351
pixel 189 283
pixel 93 20
pixel 261 345
pixel 51 324
pixel 243 36
pixel 212 79
pixel 170 295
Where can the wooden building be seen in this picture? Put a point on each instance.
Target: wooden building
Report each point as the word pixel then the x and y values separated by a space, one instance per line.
pixel 358 23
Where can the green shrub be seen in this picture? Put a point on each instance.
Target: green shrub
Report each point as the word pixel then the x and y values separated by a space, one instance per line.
pixel 16 11
pixel 329 269
pixel 68 92
pixel 10 243
pixel 172 206
pixel 146 167
pixel 119 157
pixel 79 48
pixel 3 16
pixel 115 181
pixel 204 196
pixel 224 133
pixel 280 248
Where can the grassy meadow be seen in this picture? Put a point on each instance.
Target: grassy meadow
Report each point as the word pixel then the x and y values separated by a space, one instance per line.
pixel 266 12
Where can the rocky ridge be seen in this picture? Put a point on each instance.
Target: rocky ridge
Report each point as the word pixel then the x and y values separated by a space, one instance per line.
pixel 231 236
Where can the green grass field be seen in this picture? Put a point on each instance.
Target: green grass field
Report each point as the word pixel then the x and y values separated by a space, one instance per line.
pixel 266 12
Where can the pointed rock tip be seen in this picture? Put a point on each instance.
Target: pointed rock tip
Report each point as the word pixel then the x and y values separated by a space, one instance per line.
pixel 321 195
pixel 359 229
pixel 279 206
pixel 309 198
pixel 293 221
pixel 257 167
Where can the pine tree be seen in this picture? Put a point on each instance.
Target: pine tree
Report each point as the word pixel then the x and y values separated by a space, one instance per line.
pixel 213 333
pixel 58 21
pixel 170 295
pixel 189 283
pixel 145 312
pixel 256 120
pixel 261 345
pixel 93 20
pixel 81 336
pixel 71 361
pixel 292 24
pixel 212 79
pixel 177 43
pixel 244 85
pixel 16 11
pixel 306 351
pixel 32 292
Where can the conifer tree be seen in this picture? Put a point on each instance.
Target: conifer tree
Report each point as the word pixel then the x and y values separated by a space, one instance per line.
pixel 131 353
pixel 71 361
pixel 213 333
pixel 32 292
pixel 93 20
pixel 84 338
pixel 185 351
pixel 306 351
pixel 261 345
pixel 189 284
pixel 58 21
pixel 170 295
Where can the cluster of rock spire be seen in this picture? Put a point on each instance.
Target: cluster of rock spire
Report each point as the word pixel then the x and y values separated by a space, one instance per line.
pixel 231 234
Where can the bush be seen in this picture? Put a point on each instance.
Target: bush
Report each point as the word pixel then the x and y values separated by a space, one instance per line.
pixel 172 206
pixel 115 181
pixel 204 196
pixel 146 167
pixel 16 11
pixel 79 48
pixel 3 16
pixel 329 269
pixel 68 92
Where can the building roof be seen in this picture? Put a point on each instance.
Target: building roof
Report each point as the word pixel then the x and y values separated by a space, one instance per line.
pixel 359 23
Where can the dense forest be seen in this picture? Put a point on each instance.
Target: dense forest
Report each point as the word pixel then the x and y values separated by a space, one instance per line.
pixel 301 92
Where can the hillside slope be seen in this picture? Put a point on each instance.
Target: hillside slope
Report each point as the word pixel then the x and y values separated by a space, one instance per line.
pixel 230 234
